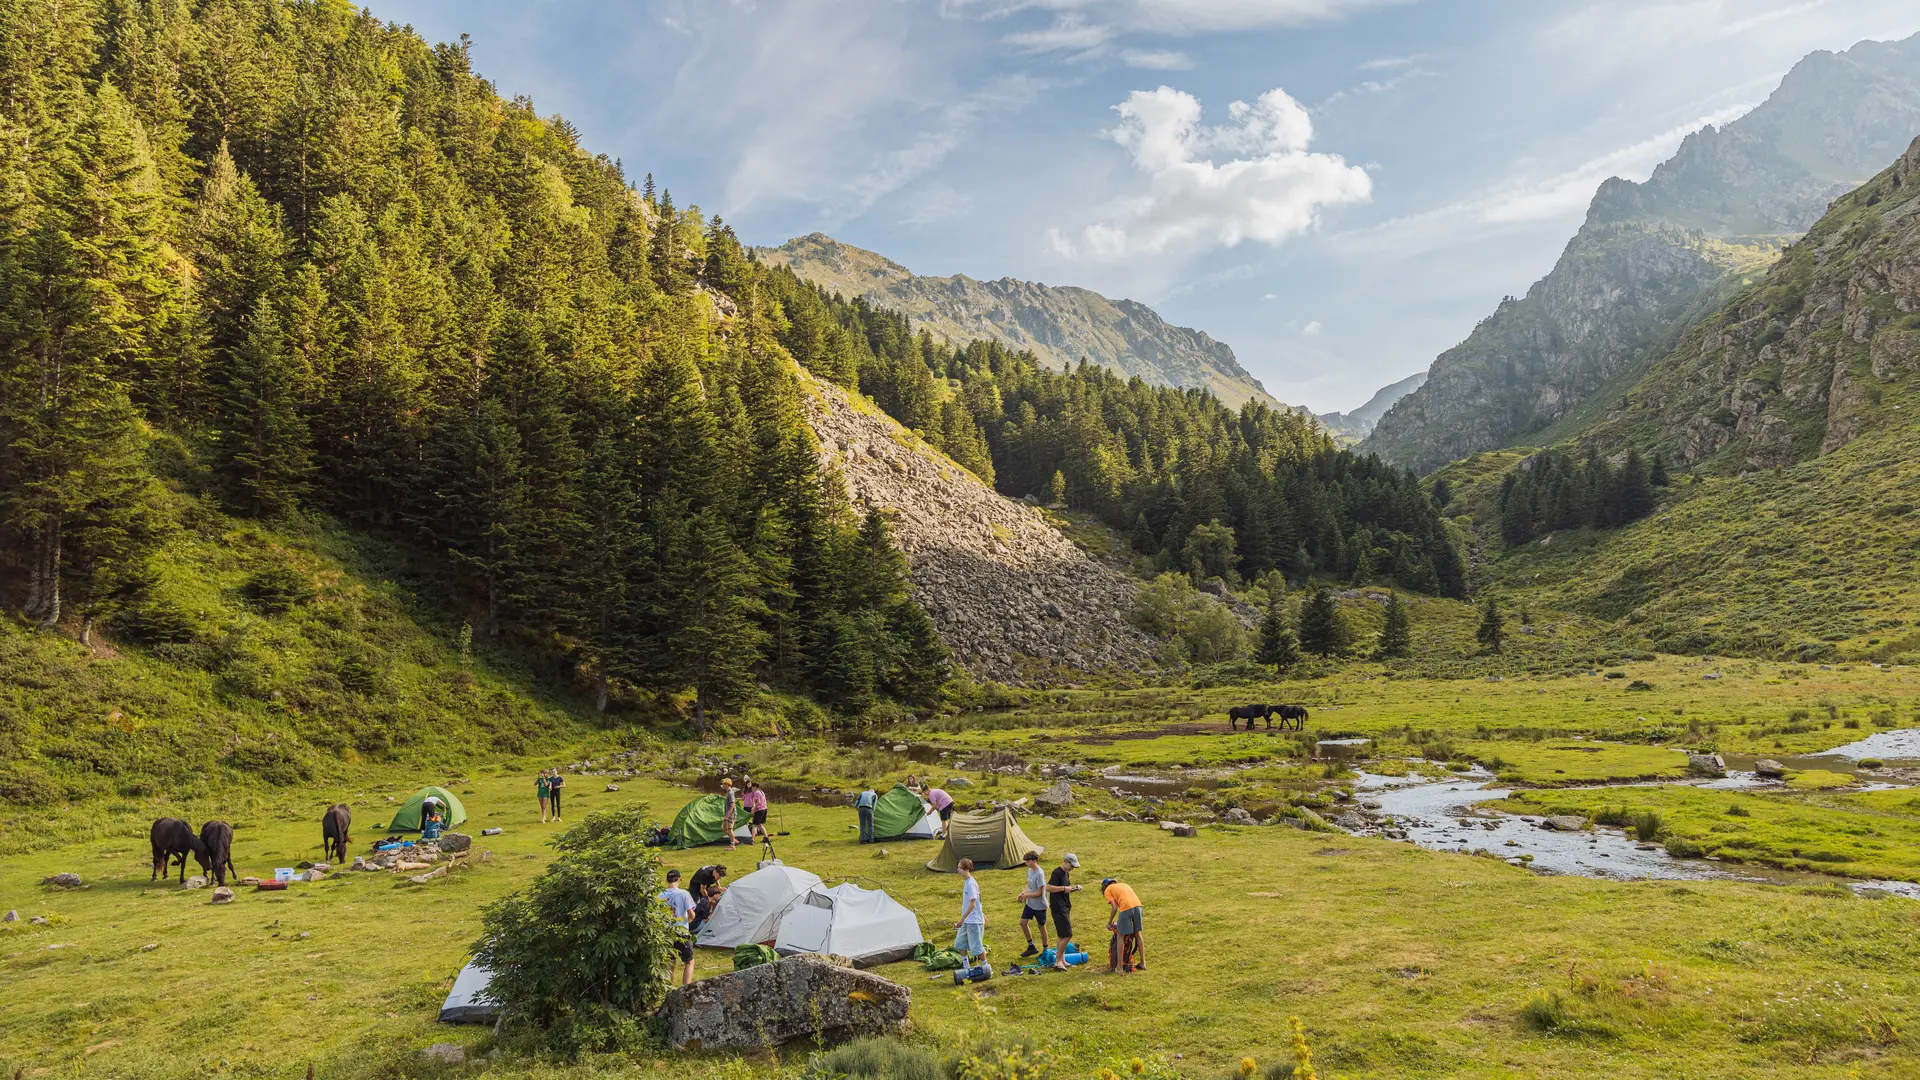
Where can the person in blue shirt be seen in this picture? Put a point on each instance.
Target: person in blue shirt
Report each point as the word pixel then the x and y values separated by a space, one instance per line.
pixel 681 901
pixel 969 939
pixel 865 804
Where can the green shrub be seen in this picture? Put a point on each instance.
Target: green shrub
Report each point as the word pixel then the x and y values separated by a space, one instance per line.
pixel 1685 849
pixel 1647 825
pixel 877 1058
pixel 1546 1010
pixel 1736 810
pixel 156 620
pixel 582 955
pixel 1618 816
pixel 1231 673
pixel 1639 684
pixel 276 590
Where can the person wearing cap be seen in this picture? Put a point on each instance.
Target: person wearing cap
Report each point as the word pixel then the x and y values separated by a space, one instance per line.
pixel 681 903
pixel 1033 909
pixel 1127 952
pixel 1060 890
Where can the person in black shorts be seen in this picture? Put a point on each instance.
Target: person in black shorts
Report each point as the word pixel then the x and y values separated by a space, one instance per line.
pixel 706 889
pixel 1060 890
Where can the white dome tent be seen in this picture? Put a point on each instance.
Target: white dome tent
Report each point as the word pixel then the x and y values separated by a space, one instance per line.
pixel 750 910
pixel 866 926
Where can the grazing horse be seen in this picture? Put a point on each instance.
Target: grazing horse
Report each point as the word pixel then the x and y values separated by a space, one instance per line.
pixel 217 838
pixel 334 826
pixel 1249 713
pixel 173 838
pixel 1294 714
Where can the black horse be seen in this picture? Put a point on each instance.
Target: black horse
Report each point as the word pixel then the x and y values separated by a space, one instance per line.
pixel 1249 713
pixel 334 827
pixel 217 838
pixel 1296 715
pixel 173 839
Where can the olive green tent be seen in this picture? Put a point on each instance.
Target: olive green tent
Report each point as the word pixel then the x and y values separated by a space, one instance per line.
pixel 701 822
pixel 407 818
pixel 991 838
pixel 901 815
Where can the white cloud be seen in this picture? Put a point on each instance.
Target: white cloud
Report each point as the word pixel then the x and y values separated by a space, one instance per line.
pixel 1156 59
pixel 1069 33
pixel 1312 329
pixel 1273 190
pixel 1183 16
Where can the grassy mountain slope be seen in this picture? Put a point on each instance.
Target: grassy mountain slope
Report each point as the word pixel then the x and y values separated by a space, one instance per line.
pixel 246 688
pixel 1653 258
pixel 1798 404
pixel 1059 324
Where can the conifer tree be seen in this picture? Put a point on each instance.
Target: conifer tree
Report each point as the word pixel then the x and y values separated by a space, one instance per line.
pixel 1396 638
pixel 1324 630
pixel 1277 644
pixel 1657 472
pixel 714 643
pixel 1636 490
pixel 260 439
pixel 1492 631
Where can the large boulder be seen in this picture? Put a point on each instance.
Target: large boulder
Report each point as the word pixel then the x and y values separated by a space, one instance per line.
pixel 453 843
pixel 1055 797
pixel 1707 764
pixel 1237 816
pixel 1770 769
pixel 1563 823
pixel 800 997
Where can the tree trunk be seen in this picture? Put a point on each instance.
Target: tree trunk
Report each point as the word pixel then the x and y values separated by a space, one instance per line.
pixel 36 578
pixel 600 693
pixel 52 615
pixel 86 630
pixel 700 715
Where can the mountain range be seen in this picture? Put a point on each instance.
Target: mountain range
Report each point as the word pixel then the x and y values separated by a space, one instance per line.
pixel 1061 325
pixel 1653 257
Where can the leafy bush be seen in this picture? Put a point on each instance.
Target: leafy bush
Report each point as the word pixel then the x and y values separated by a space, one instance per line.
pixel 1647 825
pixel 156 620
pixel 581 956
pixel 1231 673
pixel 276 762
pixel 1685 849
pixel 1639 684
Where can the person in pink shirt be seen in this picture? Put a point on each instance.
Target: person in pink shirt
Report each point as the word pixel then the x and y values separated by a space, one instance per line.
pixel 756 804
pixel 942 804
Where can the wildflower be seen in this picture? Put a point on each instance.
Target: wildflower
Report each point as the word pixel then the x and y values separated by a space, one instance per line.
pixel 1138 1066
pixel 1247 1065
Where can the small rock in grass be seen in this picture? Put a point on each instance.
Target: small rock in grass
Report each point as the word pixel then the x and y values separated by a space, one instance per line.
pixel 445 1054
pixel 613 787
pixel 11 916
pixel 150 946
pixel 62 881
pixel 222 895
pixel 194 882
pixel 37 920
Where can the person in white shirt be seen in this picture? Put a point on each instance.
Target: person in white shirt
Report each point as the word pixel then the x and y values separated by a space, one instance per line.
pixel 970 933
pixel 681 901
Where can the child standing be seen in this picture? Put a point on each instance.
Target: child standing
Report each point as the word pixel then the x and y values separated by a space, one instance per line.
pixel 970 933
pixel 540 789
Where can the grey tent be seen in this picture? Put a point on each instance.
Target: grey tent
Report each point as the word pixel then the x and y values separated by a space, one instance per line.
pixel 467 1002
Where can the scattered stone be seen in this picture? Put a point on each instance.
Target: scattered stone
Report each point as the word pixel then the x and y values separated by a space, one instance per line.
pixel 1563 823
pixel 495 831
pixel 1351 821
pixel 1055 797
pixel 1178 828
pixel 222 895
pixel 1770 769
pixel 1237 816
pixel 11 916
pixel 150 946
pixel 194 882
pixel 445 1054
pixel 422 879
pixel 959 781
pixel 37 920
pixel 798 998
pixel 613 787
pixel 899 748
pixel 1707 764
pixel 62 881
pixel 325 868
pixel 453 843
pixel 303 935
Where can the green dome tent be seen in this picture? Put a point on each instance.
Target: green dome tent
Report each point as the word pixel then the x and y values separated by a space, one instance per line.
pixel 901 815
pixel 407 818
pixel 991 838
pixel 700 822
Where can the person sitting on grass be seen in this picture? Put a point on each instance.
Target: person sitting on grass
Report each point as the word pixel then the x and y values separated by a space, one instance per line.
pixel 1127 952
pixel 1033 909
pixel 970 933
pixel 681 901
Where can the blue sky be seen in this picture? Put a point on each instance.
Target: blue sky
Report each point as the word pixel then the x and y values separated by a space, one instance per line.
pixel 1393 169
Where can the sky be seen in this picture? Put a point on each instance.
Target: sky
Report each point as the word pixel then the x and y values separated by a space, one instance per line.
pixel 1338 189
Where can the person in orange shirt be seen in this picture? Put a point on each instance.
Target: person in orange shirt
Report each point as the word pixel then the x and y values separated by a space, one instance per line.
pixel 1127 951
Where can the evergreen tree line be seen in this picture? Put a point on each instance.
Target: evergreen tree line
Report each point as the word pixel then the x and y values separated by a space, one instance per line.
pixel 348 277
pixel 1550 492
pixel 1195 485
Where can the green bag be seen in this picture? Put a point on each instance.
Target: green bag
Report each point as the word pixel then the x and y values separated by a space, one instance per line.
pixel 944 960
pixel 923 950
pixel 752 955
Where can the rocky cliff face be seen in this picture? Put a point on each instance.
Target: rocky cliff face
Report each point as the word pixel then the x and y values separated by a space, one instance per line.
pixel 1651 258
pixel 1014 599
pixel 1060 325
pixel 1359 423
pixel 1795 366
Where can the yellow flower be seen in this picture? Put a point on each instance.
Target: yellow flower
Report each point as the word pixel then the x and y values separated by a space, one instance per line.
pixel 1137 1066
pixel 1247 1065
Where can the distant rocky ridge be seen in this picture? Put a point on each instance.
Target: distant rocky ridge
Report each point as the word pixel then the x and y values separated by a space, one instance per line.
pixel 1653 258
pixel 1359 423
pixel 1059 324
pixel 1012 597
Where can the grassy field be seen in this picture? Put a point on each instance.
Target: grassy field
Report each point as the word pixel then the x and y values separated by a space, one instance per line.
pixel 1402 962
